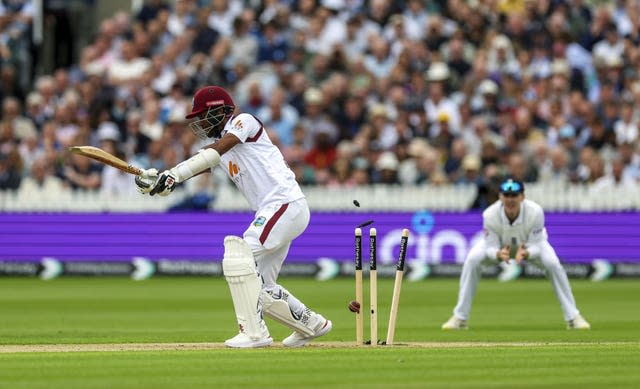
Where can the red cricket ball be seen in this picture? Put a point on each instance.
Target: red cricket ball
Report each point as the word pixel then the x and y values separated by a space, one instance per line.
pixel 354 306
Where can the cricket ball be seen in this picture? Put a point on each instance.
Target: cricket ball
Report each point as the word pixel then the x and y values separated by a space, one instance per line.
pixel 354 306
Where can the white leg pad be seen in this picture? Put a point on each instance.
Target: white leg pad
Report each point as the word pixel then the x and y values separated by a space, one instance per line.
pixel 279 310
pixel 239 269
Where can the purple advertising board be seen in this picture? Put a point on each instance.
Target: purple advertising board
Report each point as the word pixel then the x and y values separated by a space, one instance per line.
pixel 436 238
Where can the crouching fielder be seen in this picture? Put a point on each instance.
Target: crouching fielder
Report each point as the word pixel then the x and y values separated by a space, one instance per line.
pixel 251 264
pixel 513 228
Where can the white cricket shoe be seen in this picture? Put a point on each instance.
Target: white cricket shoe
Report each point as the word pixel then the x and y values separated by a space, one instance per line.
pixel 242 340
pixel 455 323
pixel 320 327
pixel 578 323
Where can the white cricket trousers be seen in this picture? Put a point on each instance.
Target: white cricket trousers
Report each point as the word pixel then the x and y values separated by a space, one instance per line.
pixel 269 235
pixel 471 272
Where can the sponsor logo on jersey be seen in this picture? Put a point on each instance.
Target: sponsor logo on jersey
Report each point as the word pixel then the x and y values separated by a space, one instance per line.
pixel 259 222
pixel 233 169
pixel 237 123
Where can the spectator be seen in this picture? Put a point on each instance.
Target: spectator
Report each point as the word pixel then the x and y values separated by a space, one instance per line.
pixel 279 117
pixel 81 173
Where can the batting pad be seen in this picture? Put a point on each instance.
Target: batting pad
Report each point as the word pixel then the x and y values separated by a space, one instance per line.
pixel 239 270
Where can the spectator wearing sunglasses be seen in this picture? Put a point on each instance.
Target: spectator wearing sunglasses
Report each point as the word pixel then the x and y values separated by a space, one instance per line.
pixel 513 230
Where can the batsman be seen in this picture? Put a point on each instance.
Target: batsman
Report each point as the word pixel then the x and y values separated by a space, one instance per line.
pixel 251 264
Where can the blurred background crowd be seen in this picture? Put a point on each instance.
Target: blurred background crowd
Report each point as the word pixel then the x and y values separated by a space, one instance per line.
pixel 354 92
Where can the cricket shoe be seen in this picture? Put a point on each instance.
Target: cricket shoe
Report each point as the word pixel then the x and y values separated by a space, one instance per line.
pixel 320 327
pixel 578 323
pixel 242 340
pixel 455 323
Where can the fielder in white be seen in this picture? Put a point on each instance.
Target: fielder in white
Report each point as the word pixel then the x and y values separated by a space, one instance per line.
pixel 513 228
pixel 251 264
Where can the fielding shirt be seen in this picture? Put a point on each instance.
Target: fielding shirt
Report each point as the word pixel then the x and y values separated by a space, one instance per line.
pixel 257 166
pixel 527 229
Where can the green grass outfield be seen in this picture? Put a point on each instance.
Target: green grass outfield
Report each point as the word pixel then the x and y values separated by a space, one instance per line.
pixel 167 333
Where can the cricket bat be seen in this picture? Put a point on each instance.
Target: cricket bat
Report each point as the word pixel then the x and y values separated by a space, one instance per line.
pixel 106 158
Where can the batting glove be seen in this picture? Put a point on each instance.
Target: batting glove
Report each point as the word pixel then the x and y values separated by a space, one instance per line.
pixel 146 180
pixel 165 184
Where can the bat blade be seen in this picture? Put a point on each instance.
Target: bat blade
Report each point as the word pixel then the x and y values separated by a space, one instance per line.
pixel 106 158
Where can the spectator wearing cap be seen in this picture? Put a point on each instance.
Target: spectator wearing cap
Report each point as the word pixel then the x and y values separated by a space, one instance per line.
pixel 501 57
pixel 34 111
pixel 485 101
pixel 386 169
pixel 611 46
pixel 315 120
pixel 441 136
pixel 423 166
pixel 383 131
pixel 438 102
pixel 23 127
pixel 470 173
pixel 108 136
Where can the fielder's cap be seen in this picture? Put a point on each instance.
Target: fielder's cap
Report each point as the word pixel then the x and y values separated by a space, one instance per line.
pixel 511 186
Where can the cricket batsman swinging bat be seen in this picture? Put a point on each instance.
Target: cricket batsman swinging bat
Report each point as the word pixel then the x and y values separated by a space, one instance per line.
pixel 393 316
pixel 106 158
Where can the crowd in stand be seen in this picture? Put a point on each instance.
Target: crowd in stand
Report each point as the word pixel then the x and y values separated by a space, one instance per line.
pixel 354 92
